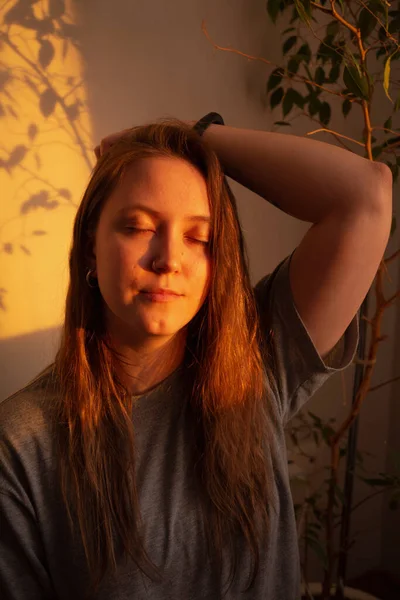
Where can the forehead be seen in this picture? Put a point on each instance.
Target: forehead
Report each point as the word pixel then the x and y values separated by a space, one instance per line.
pixel 171 187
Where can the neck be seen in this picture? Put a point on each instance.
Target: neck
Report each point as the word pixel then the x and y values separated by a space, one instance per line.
pixel 142 368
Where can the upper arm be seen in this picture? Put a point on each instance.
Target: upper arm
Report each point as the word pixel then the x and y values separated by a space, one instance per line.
pixel 335 264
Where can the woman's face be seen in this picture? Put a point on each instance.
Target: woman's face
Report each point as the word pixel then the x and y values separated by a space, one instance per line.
pixel 153 215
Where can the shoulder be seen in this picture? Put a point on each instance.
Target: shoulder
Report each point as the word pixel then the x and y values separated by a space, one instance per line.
pixel 27 411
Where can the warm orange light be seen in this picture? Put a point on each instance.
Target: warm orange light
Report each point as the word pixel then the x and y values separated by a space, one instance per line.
pixel 45 161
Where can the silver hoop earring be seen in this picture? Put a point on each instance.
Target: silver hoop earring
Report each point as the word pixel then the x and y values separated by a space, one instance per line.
pixel 88 281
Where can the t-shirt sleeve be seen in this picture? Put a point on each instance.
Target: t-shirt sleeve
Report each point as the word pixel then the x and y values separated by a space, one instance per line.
pixel 298 368
pixel 23 574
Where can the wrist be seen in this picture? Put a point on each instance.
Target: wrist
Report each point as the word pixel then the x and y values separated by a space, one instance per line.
pixel 205 122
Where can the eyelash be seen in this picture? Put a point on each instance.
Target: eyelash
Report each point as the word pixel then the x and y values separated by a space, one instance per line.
pixel 144 230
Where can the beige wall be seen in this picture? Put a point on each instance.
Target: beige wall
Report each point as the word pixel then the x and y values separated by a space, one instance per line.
pixel 148 59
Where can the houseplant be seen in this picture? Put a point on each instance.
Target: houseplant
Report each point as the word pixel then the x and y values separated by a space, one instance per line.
pixel 308 437
pixel 338 75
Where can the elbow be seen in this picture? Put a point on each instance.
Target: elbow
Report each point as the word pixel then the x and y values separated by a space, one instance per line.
pixel 380 186
pixel 384 174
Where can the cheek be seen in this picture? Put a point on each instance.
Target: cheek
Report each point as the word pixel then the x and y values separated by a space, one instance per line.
pixel 201 274
pixel 125 254
pixel 117 261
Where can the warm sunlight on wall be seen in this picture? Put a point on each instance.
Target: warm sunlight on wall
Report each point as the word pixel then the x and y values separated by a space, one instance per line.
pixel 45 160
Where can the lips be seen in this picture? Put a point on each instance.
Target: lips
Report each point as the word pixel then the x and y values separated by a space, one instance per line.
pixel 160 291
pixel 157 297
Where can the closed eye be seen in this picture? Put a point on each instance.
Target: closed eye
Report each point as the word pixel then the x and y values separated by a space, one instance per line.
pixel 205 243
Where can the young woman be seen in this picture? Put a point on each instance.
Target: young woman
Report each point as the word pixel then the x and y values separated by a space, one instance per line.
pixel 149 461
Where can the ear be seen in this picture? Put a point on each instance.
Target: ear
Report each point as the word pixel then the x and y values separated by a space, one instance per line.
pixel 90 252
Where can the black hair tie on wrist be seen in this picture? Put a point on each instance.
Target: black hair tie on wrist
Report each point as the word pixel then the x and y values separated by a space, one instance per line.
pixel 211 118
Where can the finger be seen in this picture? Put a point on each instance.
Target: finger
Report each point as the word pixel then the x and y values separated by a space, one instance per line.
pixel 104 145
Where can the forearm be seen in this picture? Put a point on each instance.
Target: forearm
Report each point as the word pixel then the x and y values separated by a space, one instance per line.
pixel 305 178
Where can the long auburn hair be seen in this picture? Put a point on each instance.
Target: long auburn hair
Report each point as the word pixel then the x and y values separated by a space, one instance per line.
pixel 225 365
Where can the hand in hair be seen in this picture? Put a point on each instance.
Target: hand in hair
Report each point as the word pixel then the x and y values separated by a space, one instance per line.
pixel 109 140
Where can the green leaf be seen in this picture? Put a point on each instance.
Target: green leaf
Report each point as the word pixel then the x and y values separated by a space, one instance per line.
pixel 273 9
pixel 293 65
pixel 386 78
pixel 275 78
pixel 276 97
pixel 377 151
pixel 334 74
pixel 355 82
pixel 388 124
pixel 319 76
pixel 288 102
pixel 394 25
pixel 314 106
pixel 304 53
pixel 376 6
pixel 325 51
pixel 303 8
pixel 325 113
pixel 309 76
pixel 366 22
pixel 298 99
pixel 289 43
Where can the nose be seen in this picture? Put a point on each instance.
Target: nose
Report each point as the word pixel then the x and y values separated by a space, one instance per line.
pixel 168 253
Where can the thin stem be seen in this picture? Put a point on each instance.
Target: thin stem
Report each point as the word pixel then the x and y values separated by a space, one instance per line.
pixel 361 502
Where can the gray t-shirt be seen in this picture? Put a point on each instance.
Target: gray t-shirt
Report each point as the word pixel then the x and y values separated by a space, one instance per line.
pixel 38 559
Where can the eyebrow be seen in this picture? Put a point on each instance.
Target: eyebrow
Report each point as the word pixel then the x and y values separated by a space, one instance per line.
pixel 155 213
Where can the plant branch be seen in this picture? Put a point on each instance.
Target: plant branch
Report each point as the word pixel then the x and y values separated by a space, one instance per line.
pixel 335 133
pixel 376 493
pixel 295 77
